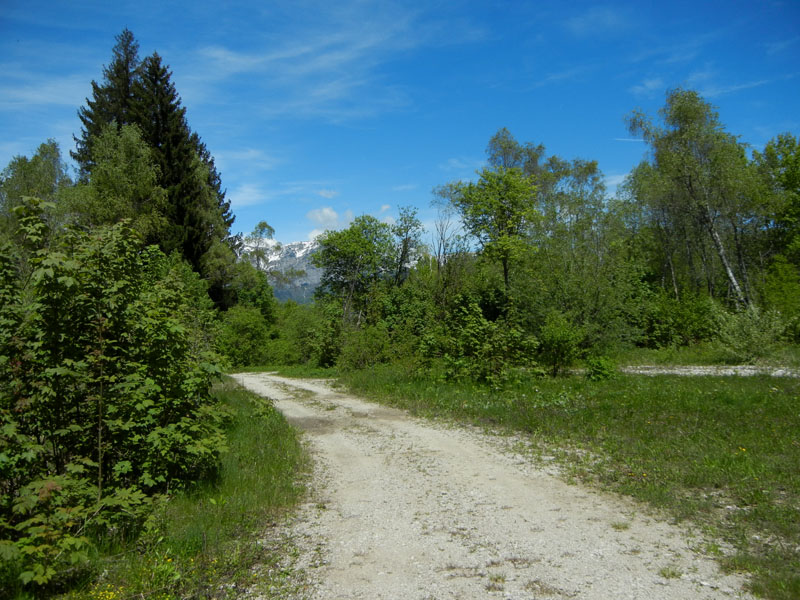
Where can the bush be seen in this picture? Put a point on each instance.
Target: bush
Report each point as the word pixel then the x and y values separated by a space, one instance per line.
pixel 600 368
pixel 364 347
pixel 104 395
pixel 243 337
pixel 749 334
pixel 560 341
pixel 475 348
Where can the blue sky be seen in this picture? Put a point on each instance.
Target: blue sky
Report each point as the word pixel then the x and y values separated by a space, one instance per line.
pixel 317 112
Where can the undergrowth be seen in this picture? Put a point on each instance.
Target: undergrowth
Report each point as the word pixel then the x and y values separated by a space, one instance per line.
pixel 208 543
pixel 721 452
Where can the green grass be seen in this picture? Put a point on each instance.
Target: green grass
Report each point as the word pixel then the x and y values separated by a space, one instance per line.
pixel 785 355
pixel 204 544
pixel 723 453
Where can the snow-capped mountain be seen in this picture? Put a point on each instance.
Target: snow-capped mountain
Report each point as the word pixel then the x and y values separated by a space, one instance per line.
pixel 284 262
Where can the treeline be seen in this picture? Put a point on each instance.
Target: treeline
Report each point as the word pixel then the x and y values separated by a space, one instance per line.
pixel 111 291
pixel 532 265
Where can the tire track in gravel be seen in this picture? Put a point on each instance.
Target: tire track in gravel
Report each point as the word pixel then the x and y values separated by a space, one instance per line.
pixel 402 508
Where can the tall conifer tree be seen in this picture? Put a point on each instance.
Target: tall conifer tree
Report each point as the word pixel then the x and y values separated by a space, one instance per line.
pixel 142 93
pixel 111 101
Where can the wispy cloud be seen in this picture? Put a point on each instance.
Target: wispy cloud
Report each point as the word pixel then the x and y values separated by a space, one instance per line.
pixel 780 46
pixel 557 77
pixel 247 194
pixel 33 90
pixel 461 164
pixel 328 194
pixel 713 90
pixel 328 64
pixel 637 140
pixel 649 87
pixel 251 161
pixel 599 20
pixel 406 187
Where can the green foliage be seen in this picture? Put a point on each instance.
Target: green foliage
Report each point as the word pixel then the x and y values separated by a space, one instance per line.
pixel 306 335
pixel 700 192
pixel 749 334
pixel 123 185
pixel 560 342
pixel 184 208
pixel 244 336
pixel 364 347
pixel 781 292
pixel 474 348
pixel 666 321
pixel 497 210
pixel 600 368
pixel 42 176
pixel 355 261
pixel 104 394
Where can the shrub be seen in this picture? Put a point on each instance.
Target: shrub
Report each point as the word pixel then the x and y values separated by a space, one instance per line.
pixel 560 341
pixel 364 347
pixel 600 368
pixel 104 395
pixel 478 349
pixel 243 337
pixel 749 334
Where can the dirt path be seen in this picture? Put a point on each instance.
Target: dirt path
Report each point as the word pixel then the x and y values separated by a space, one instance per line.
pixel 405 509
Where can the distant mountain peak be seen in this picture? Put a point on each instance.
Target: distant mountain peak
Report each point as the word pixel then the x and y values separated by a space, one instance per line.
pixel 286 258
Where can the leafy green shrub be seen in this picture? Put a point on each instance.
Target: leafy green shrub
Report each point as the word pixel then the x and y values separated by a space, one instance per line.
pixel 243 336
pixel 560 341
pixel 781 292
pixel 600 368
pixel 474 348
pixel 669 322
pixel 364 347
pixel 749 334
pixel 104 394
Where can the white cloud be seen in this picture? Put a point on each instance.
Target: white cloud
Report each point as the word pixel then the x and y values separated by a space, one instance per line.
pixel 326 218
pixel 385 208
pixel 44 90
pixel 328 194
pixel 639 140
pixel 777 47
pixel 406 187
pixel 461 164
pixel 327 62
pixel 713 90
pixel 565 75
pixel 649 87
pixel 615 180
pixel 247 194
pixel 246 160
pixel 598 20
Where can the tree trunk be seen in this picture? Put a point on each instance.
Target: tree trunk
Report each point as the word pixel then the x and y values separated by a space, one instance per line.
pixel 740 297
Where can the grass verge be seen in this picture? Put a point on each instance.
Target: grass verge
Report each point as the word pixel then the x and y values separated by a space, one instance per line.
pixel 721 452
pixel 208 543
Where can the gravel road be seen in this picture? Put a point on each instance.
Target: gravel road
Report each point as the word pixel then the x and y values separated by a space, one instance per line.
pixel 404 509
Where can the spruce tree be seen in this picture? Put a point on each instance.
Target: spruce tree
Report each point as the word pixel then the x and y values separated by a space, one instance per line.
pixel 142 93
pixel 111 101
pixel 197 211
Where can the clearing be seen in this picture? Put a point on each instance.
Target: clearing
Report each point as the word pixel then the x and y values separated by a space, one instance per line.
pixel 406 508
